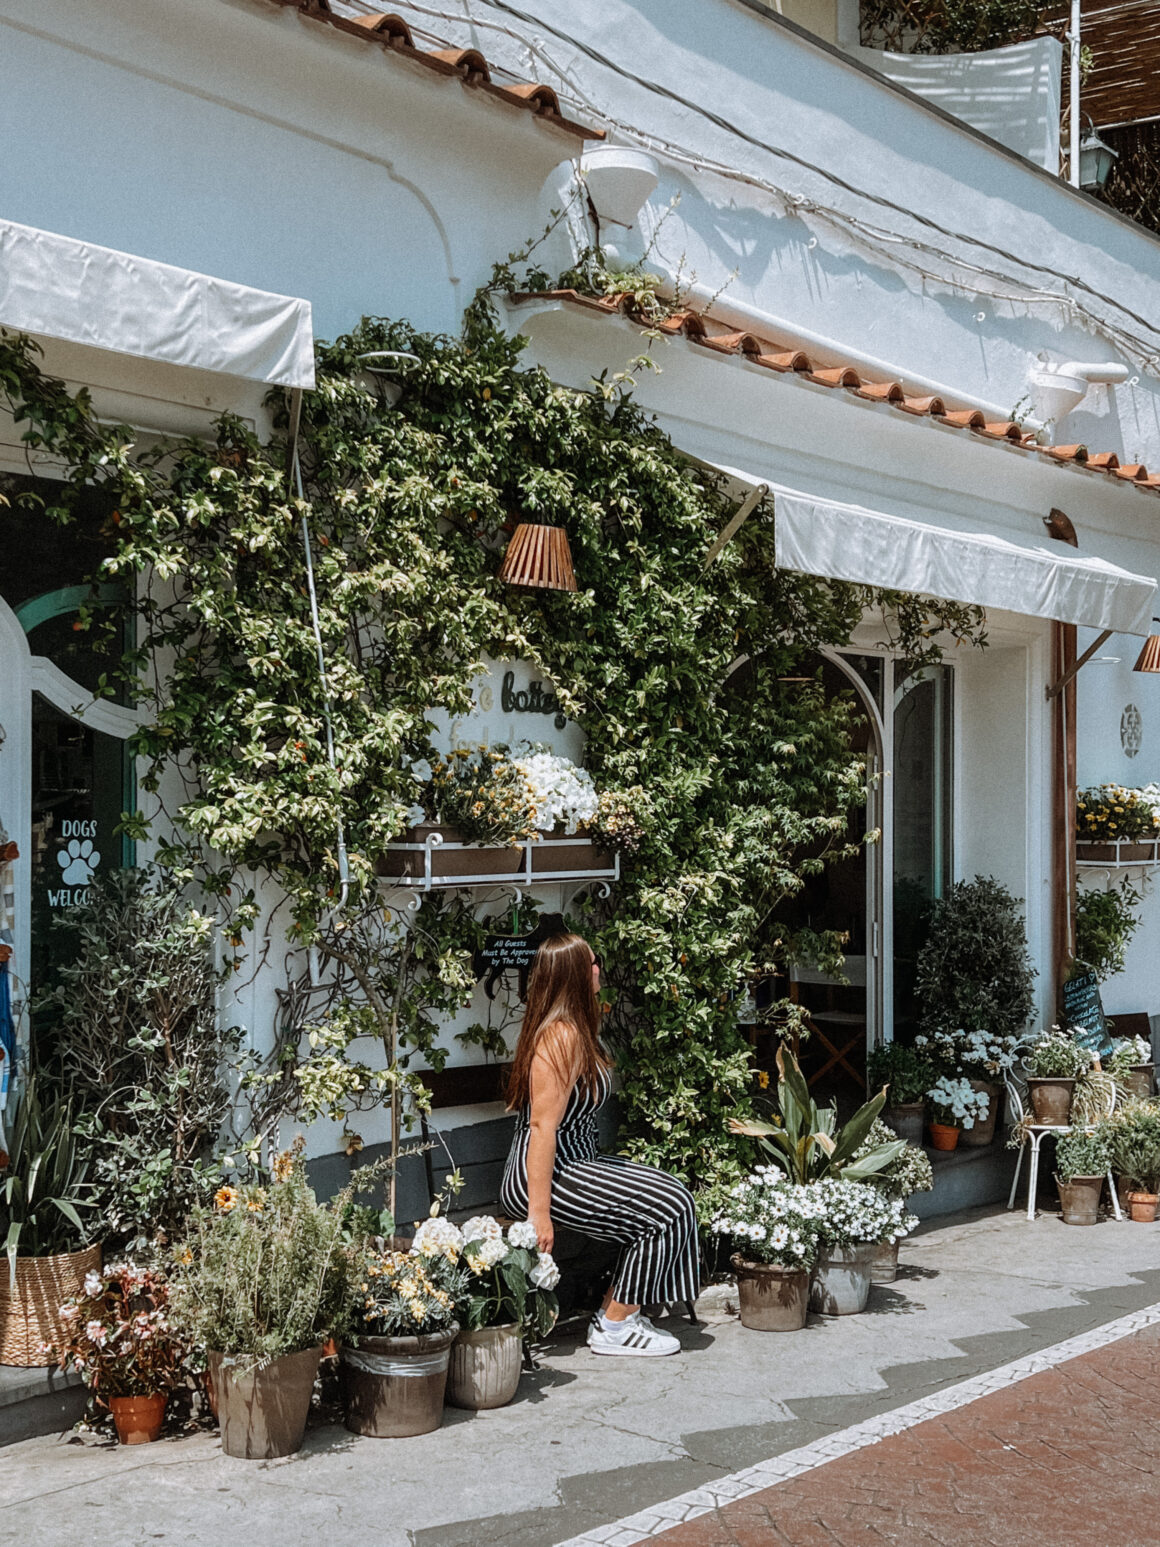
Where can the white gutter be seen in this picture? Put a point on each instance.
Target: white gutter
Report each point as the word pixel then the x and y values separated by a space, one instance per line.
pixel 747 318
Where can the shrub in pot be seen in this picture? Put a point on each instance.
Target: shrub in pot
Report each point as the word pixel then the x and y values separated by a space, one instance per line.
pixel 508 1298
pixel 774 1228
pixel 975 969
pixel 1081 1164
pixel 45 1215
pixel 119 1340
pixel 905 1073
pixel 263 1278
pixel 1053 1064
pixel 1134 1137
pixel 393 1361
pixel 908 1173
pixel 952 1105
pixel 854 1220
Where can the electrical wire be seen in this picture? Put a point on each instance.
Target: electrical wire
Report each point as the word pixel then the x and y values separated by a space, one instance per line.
pixel 875 238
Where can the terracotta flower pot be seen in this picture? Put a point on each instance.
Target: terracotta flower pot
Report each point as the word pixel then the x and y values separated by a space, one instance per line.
pixel 484 1369
pixel 841 1281
pixel 884 1266
pixel 1079 1199
pixel 983 1133
pixel 943 1136
pixel 1142 1207
pixel 906 1120
pixel 138 1420
pixel 771 1298
pixel 1051 1100
pixel 394 1386
pixel 262 1411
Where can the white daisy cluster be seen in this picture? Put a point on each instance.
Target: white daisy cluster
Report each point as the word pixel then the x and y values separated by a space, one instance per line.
pixel 775 1221
pixel 957 1103
pixel 855 1214
pixel 979 1055
pixel 563 794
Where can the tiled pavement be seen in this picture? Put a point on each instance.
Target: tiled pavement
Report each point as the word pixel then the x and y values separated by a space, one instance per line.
pixel 997 1459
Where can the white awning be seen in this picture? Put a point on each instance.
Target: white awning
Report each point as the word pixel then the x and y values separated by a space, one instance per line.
pixel 61 288
pixel 848 542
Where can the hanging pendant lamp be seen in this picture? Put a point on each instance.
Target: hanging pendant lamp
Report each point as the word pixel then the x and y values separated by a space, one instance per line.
pixel 539 556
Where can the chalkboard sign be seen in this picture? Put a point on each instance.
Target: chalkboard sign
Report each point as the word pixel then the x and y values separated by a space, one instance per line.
pixel 505 953
pixel 1083 1011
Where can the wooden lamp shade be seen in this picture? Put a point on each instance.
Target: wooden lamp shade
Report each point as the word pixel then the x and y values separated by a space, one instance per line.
pixel 1149 655
pixel 539 556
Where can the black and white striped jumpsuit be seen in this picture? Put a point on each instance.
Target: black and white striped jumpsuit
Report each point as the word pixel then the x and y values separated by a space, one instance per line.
pixel 647 1212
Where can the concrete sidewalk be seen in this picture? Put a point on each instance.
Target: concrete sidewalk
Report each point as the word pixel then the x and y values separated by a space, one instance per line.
pixel 589 1441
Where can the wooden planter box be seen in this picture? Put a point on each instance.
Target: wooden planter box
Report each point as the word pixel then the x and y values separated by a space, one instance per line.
pixel 432 856
pixel 1123 851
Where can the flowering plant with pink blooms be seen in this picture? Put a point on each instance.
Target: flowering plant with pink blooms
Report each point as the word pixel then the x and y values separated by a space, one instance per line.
pixel 119 1339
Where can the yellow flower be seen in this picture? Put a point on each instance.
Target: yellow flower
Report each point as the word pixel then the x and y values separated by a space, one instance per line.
pixel 186 1256
pixel 283 1166
pixel 225 1198
pixel 763 1079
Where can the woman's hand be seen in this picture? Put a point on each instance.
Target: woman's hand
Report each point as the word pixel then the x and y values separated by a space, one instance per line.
pixel 545 1231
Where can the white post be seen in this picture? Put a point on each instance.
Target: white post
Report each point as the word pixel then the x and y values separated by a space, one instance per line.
pixel 1073 47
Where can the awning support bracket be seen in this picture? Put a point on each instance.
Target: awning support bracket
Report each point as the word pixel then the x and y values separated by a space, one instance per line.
pixel 1097 644
pixel 742 514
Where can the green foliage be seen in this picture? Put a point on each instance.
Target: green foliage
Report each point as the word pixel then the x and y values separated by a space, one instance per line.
pixel 1104 925
pixel 751 782
pixel 905 1073
pixel 974 969
pixel 481 791
pixel 265 1271
pixel 948 26
pixel 805 1140
pixel 1081 1154
pixel 1133 1134
pixel 44 1192
pixel 908 1172
pixel 403 1294
pixel 1057 1056
pixel 134 1022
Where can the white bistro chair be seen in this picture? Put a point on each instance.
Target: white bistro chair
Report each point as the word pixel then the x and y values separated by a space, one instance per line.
pixel 1019 1103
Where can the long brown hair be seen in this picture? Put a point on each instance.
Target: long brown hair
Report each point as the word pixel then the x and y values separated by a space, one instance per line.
pixel 560 991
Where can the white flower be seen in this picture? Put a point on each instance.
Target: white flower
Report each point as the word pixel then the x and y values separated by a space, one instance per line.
pixel 95 1332
pixel 482 1228
pixel 94 1283
pixel 545 1274
pixel 437 1238
pixel 523 1233
pixel 779 1237
pixel 493 1250
pixel 562 793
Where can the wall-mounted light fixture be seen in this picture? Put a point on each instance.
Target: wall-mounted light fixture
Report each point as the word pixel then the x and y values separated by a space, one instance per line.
pixel 539 556
pixel 1096 160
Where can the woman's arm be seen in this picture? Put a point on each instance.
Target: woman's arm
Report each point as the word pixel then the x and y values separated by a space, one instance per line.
pixel 552 1079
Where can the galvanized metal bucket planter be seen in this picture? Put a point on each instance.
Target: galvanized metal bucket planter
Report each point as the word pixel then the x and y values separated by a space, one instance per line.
pixel 906 1119
pixel 884 1268
pixel 484 1370
pixel 841 1282
pixel 394 1386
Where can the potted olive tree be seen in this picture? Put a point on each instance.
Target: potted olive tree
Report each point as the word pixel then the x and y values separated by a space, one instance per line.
pixel 265 1276
pixel 1081 1165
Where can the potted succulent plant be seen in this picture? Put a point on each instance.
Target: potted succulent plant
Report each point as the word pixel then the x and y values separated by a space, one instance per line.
pixel 1081 1165
pixel 508 1297
pixel 44 1202
pixel 1134 1137
pixel 908 1173
pixel 1053 1064
pixel 119 1340
pixel 393 1361
pixel 774 1226
pixel 263 1278
pixel 855 1219
pixel 906 1072
pixel 952 1105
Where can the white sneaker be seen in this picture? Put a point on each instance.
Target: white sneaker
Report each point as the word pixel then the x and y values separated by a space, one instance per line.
pixel 634 1338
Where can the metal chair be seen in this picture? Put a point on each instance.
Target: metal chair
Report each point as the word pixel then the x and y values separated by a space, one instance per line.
pixel 1019 1104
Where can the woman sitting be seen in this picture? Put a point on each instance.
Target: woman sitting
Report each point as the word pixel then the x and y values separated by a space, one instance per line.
pixel 554 1175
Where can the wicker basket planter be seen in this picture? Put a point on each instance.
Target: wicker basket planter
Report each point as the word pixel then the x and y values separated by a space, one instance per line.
pixel 433 856
pixel 30 1314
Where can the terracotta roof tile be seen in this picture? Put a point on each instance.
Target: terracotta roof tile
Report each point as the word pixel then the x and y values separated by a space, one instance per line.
pixel 767 353
pixel 392 34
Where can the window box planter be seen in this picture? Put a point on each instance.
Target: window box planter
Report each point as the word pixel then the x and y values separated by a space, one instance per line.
pixel 1120 851
pixel 432 855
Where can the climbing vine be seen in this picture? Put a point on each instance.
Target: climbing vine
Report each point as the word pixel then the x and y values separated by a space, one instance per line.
pixel 673 669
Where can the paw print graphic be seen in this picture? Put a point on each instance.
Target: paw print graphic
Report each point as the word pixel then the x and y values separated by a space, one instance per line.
pixel 78 859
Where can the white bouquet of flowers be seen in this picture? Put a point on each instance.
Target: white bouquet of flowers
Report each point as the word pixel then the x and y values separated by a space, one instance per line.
pixel 510 1281
pixel 771 1220
pixel 563 795
pixel 956 1103
pixel 979 1055
pixel 856 1214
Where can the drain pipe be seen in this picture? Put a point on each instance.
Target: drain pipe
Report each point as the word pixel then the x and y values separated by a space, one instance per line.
pixel 296 475
pixel 747 318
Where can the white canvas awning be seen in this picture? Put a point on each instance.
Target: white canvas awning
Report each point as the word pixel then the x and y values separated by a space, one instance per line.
pixel 848 542
pixel 61 288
